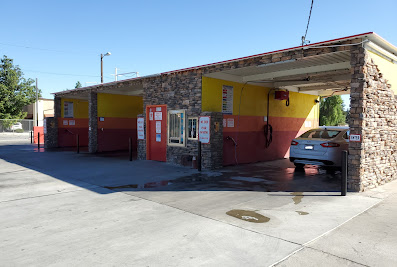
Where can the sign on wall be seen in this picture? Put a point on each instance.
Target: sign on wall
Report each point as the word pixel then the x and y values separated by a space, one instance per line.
pixel 140 129
pixel 158 126
pixel 68 109
pixel 227 99
pixel 158 116
pixel 355 138
pixel 230 122
pixel 204 129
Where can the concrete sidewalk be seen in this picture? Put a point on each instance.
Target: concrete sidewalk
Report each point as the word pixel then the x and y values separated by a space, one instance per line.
pixel 369 239
pixel 55 210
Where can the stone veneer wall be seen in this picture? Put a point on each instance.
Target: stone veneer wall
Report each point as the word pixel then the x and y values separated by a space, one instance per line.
pixel 372 115
pixel 212 153
pixel 92 122
pixel 142 143
pixel 180 90
pixel 51 138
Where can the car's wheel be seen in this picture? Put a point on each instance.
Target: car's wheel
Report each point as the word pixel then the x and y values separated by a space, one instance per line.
pixel 331 170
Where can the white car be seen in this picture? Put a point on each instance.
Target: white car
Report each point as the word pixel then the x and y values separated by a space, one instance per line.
pixel 16 126
pixel 322 146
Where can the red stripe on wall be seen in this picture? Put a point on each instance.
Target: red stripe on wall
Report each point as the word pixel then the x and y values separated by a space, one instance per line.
pixel 256 123
pixel 251 146
pixel 67 137
pixel 116 139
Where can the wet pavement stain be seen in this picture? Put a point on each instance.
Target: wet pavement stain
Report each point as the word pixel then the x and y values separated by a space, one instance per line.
pixel 297 197
pixel 122 186
pixel 248 215
pixel 302 212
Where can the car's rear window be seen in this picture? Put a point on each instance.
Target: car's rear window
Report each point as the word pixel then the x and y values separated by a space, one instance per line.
pixel 320 134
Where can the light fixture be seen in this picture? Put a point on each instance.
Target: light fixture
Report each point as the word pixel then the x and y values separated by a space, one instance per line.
pixel 103 55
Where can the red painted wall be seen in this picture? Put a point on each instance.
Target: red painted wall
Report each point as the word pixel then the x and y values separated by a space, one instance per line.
pixel 36 130
pixel 114 134
pixel 248 132
pixel 67 134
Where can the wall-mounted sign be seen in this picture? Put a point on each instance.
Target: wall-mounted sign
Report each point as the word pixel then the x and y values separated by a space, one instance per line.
pixel 65 122
pixel 204 129
pixel 72 122
pixel 45 126
pixel 158 137
pixel 224 123
pixel 158 116
pixel 101 119
pixel 68 109
pixel 158 108
pixel 227 99
pixel 230 122
pixel 150 115
pixel 140 129
pixel 355 138
pixel 158 126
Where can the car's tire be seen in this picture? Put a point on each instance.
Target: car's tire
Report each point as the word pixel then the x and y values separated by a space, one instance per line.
pixel 330 170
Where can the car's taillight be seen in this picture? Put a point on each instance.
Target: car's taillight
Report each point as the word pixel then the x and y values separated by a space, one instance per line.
pixel 294 143
pixel 330 145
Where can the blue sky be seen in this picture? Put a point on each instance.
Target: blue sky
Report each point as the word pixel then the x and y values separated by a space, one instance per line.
pixel 67 37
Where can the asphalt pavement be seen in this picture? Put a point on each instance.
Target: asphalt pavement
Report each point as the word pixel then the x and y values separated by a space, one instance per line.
pixel 62 208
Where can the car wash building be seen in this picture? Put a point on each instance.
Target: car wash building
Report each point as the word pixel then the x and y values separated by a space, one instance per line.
pixel 244 110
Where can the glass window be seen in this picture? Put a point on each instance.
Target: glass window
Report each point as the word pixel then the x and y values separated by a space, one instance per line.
pixel 346 135
pixel 192 128
pixel 320 134
pixel 176 128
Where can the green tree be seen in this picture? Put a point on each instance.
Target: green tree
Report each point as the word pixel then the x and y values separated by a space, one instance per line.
pixel 78 85
pixel 15 91
pixel 331 111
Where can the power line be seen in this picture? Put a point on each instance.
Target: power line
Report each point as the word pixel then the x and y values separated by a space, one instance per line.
pixel 63 74
pixel 307 26
pixel 42 49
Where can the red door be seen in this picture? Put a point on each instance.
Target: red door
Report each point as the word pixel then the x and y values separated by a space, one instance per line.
pixel 156 132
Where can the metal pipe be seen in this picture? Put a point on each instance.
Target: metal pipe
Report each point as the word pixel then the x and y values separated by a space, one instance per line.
pixel 130 148
pixel 199 157
pixel 31 137
pixel 78 144
pixel 38 140
pixel 344 173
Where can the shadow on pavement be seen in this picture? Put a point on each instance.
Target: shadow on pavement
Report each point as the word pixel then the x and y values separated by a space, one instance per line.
pixel 115 172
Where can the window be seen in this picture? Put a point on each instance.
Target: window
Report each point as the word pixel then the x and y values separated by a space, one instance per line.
pixel 176 128
pixel 68 109
pixel 192 128
pixel 346 135
pixel 320 134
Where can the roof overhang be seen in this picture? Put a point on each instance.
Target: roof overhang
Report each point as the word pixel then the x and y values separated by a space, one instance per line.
pixel 327 72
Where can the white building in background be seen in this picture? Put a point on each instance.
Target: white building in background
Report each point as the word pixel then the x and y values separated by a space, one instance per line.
pixel 45 108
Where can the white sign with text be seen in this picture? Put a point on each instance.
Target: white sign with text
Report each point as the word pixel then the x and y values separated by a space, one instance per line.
pixel 140 129
pixel 204 129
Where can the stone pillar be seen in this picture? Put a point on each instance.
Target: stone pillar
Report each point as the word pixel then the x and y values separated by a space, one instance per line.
pixel 357 84
pixel 50 133
pixel 51 137
pixel 372 161
pixel 212 153
pixel 92 123
pixel 142 143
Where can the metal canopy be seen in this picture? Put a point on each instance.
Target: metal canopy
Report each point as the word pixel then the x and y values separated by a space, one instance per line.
pixel 318 75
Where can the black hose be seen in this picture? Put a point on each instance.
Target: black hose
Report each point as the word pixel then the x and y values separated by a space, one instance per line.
pixel 268 128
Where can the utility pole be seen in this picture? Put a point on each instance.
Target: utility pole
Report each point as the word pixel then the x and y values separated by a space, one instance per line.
pixel 101 68
pixel 37 104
